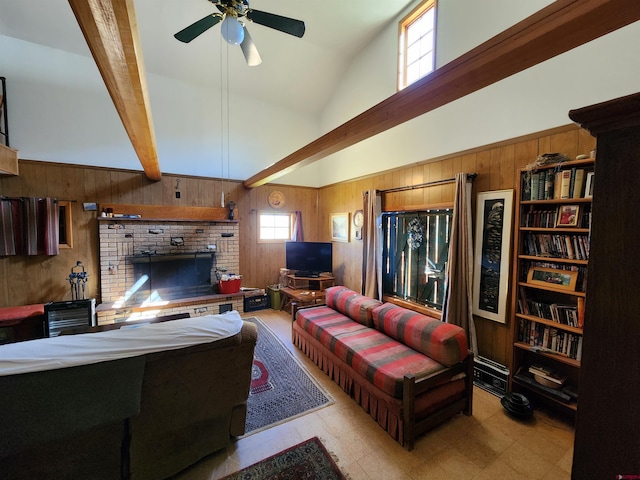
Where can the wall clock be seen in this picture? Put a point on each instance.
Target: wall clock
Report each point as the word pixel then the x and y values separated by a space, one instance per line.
pixel 358 218
pixel 358 221
pixel 276 199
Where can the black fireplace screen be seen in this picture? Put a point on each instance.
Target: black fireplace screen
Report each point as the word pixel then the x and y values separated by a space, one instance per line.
pixel 171 276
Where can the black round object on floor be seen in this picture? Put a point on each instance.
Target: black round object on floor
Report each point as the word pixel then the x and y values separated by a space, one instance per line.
pixel 517 405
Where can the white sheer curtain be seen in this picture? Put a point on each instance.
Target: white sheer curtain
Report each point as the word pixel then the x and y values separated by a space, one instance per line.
pixel 458 297
pixel 372 245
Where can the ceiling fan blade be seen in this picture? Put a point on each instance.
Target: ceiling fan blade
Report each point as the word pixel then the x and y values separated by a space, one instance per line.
pixel 284 24
pixel 192 31
pixel 249 49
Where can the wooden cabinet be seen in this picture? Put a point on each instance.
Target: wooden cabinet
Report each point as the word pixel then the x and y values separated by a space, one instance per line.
pixel 606 443
pixel 552 244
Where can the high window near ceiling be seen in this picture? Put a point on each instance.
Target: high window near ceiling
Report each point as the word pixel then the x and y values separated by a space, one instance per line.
pixel 417 42
pixel 414 255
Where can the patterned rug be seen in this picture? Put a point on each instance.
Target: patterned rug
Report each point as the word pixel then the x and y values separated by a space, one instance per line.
pixel 281 388
pixel 308 460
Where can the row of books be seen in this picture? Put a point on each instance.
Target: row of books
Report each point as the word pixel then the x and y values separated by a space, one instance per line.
pixel 581 282
pixel 573 247
pixel 572 315
pixel 551 340
pixel 548 218
pixel 557 184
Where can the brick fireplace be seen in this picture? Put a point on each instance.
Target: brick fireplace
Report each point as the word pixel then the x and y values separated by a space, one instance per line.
pixel 152 268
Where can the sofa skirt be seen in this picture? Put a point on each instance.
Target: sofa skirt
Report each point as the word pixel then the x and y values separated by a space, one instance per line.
pixel 386 410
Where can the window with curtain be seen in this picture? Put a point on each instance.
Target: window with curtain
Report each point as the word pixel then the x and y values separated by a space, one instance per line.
pixel 414 255
pixel 417 44
pixel 274 227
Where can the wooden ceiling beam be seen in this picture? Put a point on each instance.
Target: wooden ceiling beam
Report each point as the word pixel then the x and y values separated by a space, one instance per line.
pixel 557 28
pixel 111 31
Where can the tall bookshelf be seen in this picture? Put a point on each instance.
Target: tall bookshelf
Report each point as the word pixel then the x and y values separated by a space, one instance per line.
pixel 552 243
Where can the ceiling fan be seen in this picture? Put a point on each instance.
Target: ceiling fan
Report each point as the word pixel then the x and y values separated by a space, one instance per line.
pixel 233 29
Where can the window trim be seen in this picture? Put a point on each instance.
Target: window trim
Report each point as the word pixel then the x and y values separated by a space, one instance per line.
pixel 66 227
pixel 278 213
pixel 412 16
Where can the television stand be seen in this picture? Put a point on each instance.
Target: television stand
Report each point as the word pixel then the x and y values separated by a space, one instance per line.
pixel 302 274
pixel 319 283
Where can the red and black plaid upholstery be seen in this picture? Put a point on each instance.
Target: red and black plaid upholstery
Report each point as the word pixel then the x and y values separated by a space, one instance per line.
pixel 352 304
pixel 444 342
pixel 381 359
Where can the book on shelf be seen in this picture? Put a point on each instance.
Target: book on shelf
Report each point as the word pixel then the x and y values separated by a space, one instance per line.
pixel 573 180
pixel 548 185
pixel 557 184
pixel 580 312
pixel 578 183
pixel 545 339
pixel 535 183
pixel 565 185
pixel 588 186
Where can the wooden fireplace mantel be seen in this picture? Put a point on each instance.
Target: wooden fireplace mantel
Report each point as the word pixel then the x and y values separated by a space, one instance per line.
pixel 166 212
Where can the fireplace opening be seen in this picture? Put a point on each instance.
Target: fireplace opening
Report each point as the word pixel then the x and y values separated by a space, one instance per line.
pixel 170 276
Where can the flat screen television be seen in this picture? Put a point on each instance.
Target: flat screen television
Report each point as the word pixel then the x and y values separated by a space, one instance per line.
pixel 309 259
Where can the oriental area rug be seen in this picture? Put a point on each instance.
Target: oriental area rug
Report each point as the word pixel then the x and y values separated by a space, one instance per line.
pixel 281 388
pixel 308 460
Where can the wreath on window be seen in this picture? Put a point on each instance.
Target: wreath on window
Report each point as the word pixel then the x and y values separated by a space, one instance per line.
pixel 415 234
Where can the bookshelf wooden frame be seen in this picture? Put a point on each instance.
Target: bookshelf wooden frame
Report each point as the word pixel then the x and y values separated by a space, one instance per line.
pixel 526 324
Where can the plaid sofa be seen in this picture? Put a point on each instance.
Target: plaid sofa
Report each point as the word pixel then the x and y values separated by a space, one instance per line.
pixel 407 370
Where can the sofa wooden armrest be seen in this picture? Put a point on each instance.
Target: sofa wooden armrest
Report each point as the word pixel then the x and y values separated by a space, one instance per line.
pixel 413 387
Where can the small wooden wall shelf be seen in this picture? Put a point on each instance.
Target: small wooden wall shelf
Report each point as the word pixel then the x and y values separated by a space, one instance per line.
pixel 166 212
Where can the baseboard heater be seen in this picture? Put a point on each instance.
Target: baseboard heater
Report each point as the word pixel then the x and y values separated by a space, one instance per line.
pixel 61 316
pixel 490 376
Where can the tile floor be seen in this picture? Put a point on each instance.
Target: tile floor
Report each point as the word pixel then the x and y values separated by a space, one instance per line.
pixel 488 445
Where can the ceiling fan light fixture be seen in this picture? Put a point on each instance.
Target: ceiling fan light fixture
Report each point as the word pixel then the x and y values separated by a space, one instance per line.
pixel 232 30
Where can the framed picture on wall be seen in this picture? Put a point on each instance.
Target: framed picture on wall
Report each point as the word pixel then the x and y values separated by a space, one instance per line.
pixel 494 213
pixel 340 227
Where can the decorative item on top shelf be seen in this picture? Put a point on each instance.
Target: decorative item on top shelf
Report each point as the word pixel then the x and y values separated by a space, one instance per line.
pixel 533 184
pixel 565 180
pixel 493 238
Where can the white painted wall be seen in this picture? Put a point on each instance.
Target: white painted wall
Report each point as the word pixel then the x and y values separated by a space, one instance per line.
pixel 536 99
pixel 61 117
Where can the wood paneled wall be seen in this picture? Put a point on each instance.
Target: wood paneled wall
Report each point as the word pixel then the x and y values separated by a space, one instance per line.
pixel 41 279
pixel 25 280
pixel 497 167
